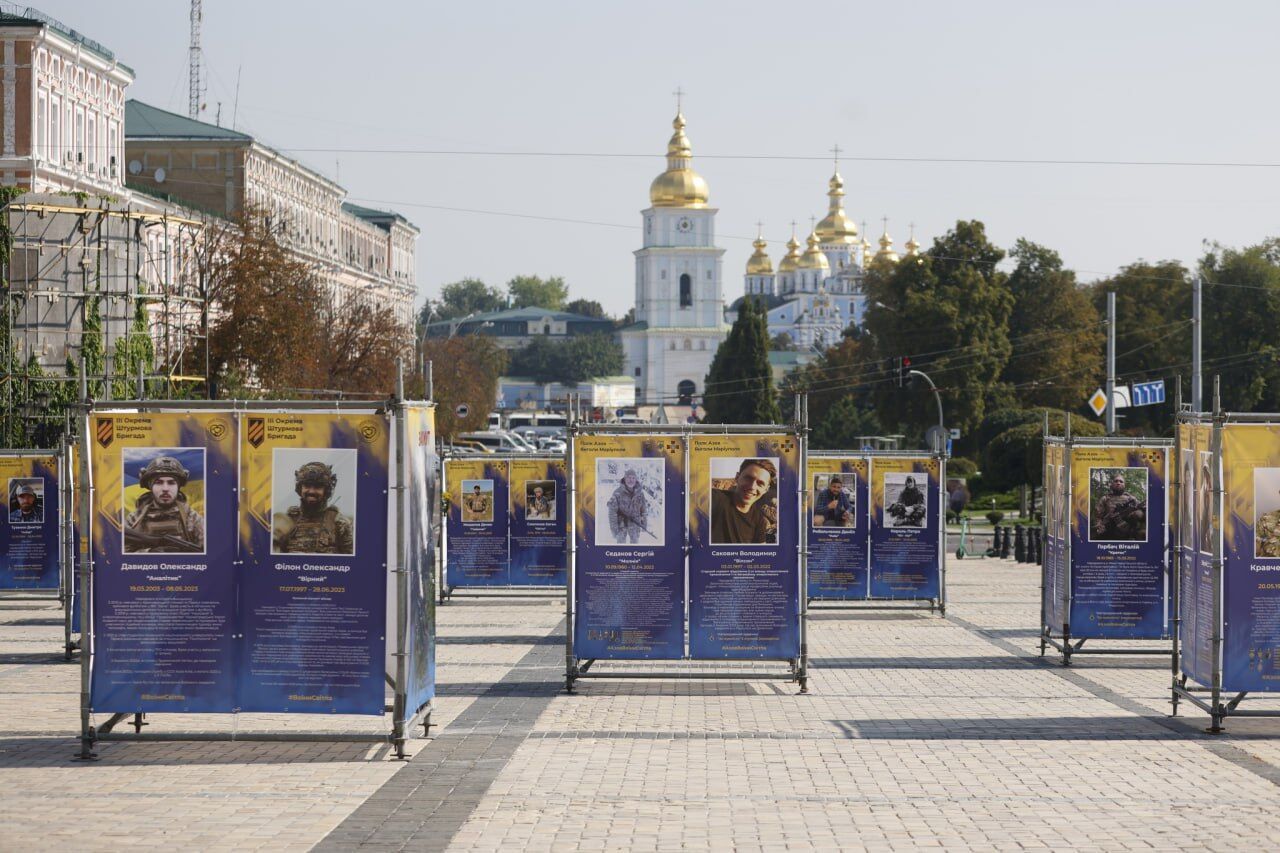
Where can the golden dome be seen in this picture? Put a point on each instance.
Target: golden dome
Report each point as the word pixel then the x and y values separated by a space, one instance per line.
pixel 813 258
pixel 790 261
pixel 679 186
pixel 886 248
pixel 913 247
pixel 836 227
pixel 759 263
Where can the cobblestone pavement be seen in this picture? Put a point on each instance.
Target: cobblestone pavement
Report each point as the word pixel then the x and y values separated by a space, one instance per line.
pixel 919 732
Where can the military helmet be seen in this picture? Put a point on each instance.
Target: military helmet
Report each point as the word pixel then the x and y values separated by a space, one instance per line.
pixel 163 466
pixel 315 474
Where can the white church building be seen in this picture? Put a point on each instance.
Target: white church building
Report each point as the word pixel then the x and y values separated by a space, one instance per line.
pixel 679 304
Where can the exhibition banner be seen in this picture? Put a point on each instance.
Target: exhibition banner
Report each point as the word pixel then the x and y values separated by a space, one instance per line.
pixel 1055 551
pixel 629 531
pixel 314 543
pixel 838 527
pixel 744 561
pixel 1196 601
pixel 29 536
pixel 539 521
pixel 164 570
pixel 477 551
pixel 906 514
pixel 1251 557
pixel 1118 578
pixel 422 501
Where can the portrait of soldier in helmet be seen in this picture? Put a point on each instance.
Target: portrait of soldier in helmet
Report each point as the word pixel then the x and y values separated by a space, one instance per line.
pixel 162 520
pixel 26 500
pixel 314 523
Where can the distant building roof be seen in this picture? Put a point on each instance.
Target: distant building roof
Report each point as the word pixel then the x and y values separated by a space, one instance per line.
pixel 382 218
pixel 143 121
pixel 31 16
pixel 520 315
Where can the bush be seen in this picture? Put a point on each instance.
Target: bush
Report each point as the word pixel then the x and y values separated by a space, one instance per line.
pixel 995 516
pixel 961 467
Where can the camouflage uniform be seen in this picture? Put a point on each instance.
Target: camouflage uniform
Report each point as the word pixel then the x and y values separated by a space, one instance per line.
pixel 324 531
pixel 540 507
pixel 1267 534
pixel 476 504
pixel 628 512
pixel 1119 517
pixel 176 524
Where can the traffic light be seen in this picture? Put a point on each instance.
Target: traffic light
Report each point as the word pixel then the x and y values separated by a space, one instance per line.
pixel 904 371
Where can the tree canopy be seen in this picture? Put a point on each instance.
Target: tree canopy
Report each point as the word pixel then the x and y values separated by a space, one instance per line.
pixel 460 299
pixel 530 291
pixel 739 385
pixel 572 360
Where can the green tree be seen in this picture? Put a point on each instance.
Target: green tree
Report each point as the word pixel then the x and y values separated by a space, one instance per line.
pixel 465 370
pixel 948 310
pixel 460 299
pixel 586 308
pixel 530 291
pixel 739 385
pixel 1056 334
pixel 1016 456
pixel 1241 337
pixel 842 425
pixel 570 361
pixel 1153 334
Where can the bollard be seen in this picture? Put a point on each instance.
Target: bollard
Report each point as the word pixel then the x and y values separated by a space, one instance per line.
pixel 1038 538
pixel 1019 545
pixel 1005 543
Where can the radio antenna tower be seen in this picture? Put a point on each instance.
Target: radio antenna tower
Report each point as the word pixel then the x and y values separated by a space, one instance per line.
pixel 194 86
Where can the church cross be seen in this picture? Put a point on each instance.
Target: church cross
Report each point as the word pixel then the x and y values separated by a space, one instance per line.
pixel 679 93
pixel 836 151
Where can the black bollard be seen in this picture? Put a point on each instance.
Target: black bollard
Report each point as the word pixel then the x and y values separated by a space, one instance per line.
pixel 1039 537
pixel 1005 543
pixel 1019 545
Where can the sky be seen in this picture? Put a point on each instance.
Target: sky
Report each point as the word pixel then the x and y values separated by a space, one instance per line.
pixel 908 91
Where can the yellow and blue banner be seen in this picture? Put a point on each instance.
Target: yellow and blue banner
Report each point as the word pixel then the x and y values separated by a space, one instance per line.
pixel 838 527
pixel 29 557
pixel 629 575
pixel 1197 587
pixel 906 523
pixel 1119 579
pixel 538 522
pixel 313 534
pixel 164 562
pixel 1055 557
pixel 744 537
pixel 477 545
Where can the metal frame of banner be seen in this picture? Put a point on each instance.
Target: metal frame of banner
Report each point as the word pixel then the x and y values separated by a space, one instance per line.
pixel 402 720
pixel 47 594
pixel 939 604
pixel 1067 645
pixel 1210 698
pixel 495 590
pixel 67 541
pixel 732 668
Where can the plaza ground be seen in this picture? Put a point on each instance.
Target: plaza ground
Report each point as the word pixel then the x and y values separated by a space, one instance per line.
pixel 918 732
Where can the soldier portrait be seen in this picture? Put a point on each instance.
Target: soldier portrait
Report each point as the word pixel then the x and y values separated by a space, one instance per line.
pixel 744 501
pixel 163 500
pixel 1118 504
pixel 630 502
pixel 26 500
pixel 1266 513
pixel 1204 502
pixel 540 500
pixel 906 501
pixel 1186 500
pixel 313 501
pixel 833 500
pixel 477 500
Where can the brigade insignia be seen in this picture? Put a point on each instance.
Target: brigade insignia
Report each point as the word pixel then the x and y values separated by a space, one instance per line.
pixel 106 431
pixel 368 430
pixel 217 429
pixel 257 431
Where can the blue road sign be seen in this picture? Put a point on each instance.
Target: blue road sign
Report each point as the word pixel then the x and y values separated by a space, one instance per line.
pixel 1147 393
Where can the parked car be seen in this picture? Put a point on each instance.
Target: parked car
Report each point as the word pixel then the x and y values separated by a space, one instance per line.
pixel 498 441
pixel 548 444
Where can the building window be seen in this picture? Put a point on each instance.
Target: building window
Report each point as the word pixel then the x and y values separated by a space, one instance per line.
pixel 686 291
pixel 688 344
pixel 685 391
pixel 637 371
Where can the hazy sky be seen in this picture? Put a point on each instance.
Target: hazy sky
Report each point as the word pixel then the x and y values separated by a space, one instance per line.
pixel 1118 81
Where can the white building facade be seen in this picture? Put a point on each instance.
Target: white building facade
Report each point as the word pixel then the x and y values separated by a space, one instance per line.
pixel 679 296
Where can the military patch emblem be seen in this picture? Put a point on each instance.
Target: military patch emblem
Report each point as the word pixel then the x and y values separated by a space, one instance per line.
pixel 106 431
pixel 257 431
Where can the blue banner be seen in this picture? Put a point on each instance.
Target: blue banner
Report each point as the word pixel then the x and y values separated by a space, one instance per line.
pixel 1119 586
pixel 838 532
pixel 314 592
pixel 164 550
pixel 1055 515
pixel 477 547
pixel 420 527
pixel 906 523
pixel 629 539
pixel 744 579
pixel 29 557
pixel 1196 587
pixel 539 522
pixel 1251 554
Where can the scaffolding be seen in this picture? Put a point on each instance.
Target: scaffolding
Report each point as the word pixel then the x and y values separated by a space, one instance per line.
pixel 80 267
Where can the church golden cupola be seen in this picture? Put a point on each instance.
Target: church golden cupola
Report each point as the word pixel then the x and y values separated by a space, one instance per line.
pixel 679 185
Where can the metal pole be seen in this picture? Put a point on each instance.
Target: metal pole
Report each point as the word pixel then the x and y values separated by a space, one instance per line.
pixel 431 382
pixel 400 710
pixel 570 664
pixel 1111 362
pixel 1044 520
pixel 1215 458
pixel 802 434
pixel 1067 551
pixel 1197 328
pixel 936 396
pixel 86 569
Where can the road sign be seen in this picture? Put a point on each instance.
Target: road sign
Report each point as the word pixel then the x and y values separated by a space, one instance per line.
pixel 462 410
pixel 1148 393
pixel 935 438
pixel 955 433
pixel 1122 397
pixel 1098 402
